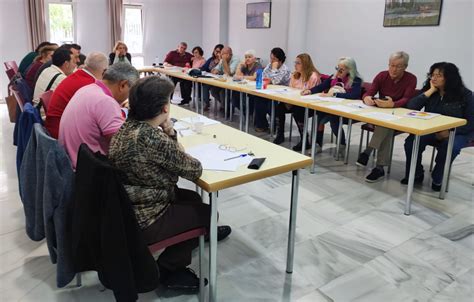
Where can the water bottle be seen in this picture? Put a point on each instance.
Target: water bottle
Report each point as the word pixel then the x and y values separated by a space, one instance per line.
pixel 259 79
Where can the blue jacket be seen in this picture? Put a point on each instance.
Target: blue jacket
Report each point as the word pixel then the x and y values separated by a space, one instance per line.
pixel 46 189
pixel 28 118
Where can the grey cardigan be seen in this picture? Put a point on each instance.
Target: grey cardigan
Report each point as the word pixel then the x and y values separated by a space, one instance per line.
pixel 47 182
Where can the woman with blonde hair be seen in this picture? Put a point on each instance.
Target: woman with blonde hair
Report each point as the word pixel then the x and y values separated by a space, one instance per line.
pixel 305 76
pixel 120 54
pixel 44 55
pixel 346 83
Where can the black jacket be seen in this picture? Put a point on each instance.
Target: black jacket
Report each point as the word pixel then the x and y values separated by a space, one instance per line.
pixel 112 58
pixel 463 108
pixel 105 234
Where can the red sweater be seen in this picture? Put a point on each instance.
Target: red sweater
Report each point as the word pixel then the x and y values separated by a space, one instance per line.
pixel 61 97
pixel 31 73
pixel 400 92
pixel 174 58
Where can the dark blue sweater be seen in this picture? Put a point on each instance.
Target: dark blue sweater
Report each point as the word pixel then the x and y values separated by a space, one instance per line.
pixel 354 94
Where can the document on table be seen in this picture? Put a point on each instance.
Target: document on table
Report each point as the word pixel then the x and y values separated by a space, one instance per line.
pixel 315 97
pixel 180 126
pixel 358 104
pixel 213 158
pixel 343 108
pixel 199 118
pixel 421 115
pixel 210 74
pixel 281 91
pixel 381 116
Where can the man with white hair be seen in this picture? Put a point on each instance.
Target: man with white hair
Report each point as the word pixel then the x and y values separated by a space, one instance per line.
pixel 94 115
pixel 95 65
pixel 246 70
pixel 395 87
pixel 227 67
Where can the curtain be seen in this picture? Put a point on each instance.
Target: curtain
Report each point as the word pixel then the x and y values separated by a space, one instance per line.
pixel 36 22
pixel 116 21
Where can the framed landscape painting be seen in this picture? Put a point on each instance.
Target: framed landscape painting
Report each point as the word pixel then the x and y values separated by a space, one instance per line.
pixel 412 12
pixel 259 15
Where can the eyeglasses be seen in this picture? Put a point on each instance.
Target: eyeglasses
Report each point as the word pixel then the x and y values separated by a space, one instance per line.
pixel 297 63
pixel 435 75
pixel 339 69
pixel 230 148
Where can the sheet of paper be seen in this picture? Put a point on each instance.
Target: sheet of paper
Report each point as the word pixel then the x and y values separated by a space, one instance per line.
pixel 199 118
pixel 381 116
pixel 358 104
pixel 314 97
pixel 185 132
pixel 213 158
pixel 421 115
pixel 343 108
pixel 280 91
pixel 210 74
pixel 180 126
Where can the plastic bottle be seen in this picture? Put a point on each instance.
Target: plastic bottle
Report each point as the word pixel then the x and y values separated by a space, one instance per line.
pixel 259 79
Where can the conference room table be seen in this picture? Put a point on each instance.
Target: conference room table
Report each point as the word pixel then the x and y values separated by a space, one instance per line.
pixel 278 160
pixel 350 109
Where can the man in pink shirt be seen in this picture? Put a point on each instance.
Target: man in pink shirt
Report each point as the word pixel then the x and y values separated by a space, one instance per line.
pixel 93 114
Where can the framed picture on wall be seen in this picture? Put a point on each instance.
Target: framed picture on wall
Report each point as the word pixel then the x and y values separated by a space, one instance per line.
pixel 259 15
pixel 412 12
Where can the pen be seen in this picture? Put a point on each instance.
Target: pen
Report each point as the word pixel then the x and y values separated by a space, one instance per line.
pixel 234 157
pixel 180 134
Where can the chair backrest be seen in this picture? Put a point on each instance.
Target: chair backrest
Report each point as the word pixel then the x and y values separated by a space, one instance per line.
pixel 11 65
pixel 24 89
pixel 10 73
pixel 45 98
pixel 21 102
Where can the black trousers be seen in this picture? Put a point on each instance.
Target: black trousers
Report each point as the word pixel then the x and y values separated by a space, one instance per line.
pixel 185 213
pixel 185 87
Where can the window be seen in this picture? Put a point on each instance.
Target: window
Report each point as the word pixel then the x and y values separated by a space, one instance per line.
pixel 60 22
pixel 133 33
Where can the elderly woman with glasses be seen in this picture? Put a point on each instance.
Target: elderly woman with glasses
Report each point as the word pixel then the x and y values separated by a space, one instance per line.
pixel 151 159
pixel 346 83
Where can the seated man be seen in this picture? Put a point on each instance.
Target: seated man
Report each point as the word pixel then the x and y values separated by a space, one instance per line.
pixel 162 209
pixel 95 65
pixel 181 58
pixel 74 48
pixel 395 87
pixel 227 67
pixel 63 65
pixel 93 115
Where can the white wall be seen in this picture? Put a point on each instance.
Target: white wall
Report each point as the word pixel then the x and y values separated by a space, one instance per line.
pixel 13 40
pixel 93 25
pixel 262 40
pixel 354 28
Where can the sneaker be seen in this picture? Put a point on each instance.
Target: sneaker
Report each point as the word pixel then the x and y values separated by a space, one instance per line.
pixel 299 146
pixel 261 129
pixel 223 231
pixel 362 160
pixel 319 149
pixel 376 175
pixel 279 139
pixel 435 187
pixel 184 279
pixel 183 102
pixel 418 180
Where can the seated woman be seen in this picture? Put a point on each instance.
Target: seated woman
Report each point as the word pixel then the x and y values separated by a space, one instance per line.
pixel 305 76
pixel 212 62
pixel 197 59
pixel 45 55
pixel 147 152
pixel 278 74
pixel 443 93
pixel 120 54
pixel 247 70
pixel 346 83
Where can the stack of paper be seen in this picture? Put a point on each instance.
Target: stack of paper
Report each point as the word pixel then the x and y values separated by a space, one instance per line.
pixel 343 108
pixel 358 104
pixel 277 91
pixel 213 158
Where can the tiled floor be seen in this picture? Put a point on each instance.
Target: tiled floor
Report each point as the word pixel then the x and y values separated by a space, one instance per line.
pixel 353 242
